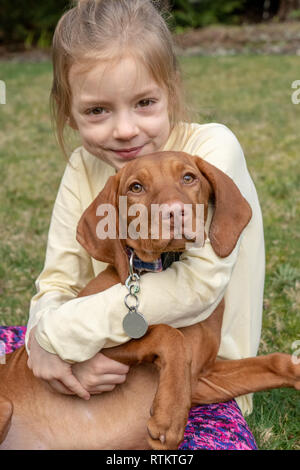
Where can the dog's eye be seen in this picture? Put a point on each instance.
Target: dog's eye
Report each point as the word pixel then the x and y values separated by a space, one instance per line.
pixel 188 178
pixel 136 188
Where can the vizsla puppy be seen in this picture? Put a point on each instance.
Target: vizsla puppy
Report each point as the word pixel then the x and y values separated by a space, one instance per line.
pixel 171 369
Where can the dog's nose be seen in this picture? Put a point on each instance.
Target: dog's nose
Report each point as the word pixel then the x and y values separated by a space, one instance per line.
pixel 172 208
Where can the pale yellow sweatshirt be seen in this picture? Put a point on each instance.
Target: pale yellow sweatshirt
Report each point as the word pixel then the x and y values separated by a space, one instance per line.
pixel 184 294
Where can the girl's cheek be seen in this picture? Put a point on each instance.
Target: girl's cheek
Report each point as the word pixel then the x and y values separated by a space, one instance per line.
pixel 91 134
pixel 159 126
pixel 88 138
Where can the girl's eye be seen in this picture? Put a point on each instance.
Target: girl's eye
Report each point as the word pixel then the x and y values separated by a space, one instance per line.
pixel 96 111
pixel 188 178
pixel 146 102
pixel 136 188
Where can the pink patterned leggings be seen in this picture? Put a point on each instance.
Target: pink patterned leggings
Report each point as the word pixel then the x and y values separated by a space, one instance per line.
pixel 219 426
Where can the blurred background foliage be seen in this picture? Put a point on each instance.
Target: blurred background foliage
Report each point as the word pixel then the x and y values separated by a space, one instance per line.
pixel 31 22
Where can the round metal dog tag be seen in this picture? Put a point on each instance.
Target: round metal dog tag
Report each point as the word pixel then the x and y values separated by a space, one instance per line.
pixel 135 325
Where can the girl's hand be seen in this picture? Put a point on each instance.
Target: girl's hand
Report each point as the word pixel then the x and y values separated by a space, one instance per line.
pixel 56 372
pixel 100 374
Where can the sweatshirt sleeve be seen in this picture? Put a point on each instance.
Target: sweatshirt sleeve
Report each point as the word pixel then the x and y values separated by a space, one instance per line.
pixel 186 293
pixel 67 268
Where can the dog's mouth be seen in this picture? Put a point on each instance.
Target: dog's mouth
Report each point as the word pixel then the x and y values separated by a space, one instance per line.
pixel 151 250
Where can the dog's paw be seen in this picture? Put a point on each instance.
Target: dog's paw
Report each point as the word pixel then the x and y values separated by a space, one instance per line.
pixel 166 429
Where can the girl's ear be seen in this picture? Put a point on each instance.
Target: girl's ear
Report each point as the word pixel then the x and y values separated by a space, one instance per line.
pixel 231 213
pixel 72 123
pixel 111 249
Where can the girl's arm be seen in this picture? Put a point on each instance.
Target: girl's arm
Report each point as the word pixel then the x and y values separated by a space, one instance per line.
pixel 186 293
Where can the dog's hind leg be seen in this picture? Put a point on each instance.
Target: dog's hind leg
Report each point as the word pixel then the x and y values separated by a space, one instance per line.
pixel 228 379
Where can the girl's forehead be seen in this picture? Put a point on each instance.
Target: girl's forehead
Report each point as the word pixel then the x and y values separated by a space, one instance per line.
pixel 127 71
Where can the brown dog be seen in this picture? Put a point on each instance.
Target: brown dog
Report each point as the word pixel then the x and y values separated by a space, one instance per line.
pixel 34 417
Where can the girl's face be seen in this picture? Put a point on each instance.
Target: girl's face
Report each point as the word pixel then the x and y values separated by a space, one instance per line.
pixel 121 113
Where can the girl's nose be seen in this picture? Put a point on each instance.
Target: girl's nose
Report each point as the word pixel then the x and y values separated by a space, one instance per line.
pixel 125 127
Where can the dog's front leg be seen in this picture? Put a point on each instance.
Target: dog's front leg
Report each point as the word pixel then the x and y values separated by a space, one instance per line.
pixel 167 348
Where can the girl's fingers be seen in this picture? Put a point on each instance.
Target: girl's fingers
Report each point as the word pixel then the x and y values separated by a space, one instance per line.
pixel 102 388
pixel 97 390
pixel 75 386
pixel 59 387
pixel 108 383
pixel 111 365
pixel 112 379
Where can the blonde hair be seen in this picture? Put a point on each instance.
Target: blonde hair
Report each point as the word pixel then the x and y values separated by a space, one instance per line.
pixel 107 30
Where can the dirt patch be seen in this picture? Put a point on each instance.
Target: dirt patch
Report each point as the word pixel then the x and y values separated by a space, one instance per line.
pixel 262 38
pixel 17 53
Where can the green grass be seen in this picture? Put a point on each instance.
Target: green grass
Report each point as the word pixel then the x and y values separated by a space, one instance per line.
pixel 252 96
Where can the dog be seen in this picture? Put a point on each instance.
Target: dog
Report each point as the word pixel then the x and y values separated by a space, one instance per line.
pixel 171 369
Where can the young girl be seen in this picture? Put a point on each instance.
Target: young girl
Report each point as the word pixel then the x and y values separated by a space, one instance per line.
pixel 117 83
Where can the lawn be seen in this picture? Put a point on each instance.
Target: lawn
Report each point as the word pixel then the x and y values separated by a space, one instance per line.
pixel 249 94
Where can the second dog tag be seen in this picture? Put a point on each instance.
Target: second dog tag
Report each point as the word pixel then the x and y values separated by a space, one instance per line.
pixel 135 325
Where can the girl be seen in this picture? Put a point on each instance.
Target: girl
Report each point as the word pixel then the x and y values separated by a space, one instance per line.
pixel 117 83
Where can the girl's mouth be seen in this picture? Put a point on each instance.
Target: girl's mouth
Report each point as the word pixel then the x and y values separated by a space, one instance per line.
pixel 128 153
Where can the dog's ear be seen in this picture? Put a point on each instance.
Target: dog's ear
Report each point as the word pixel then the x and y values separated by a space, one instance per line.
pixel 231 213
pixel 111 249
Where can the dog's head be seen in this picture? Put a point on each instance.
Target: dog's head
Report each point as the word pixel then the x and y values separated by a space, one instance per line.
pixel 169 185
